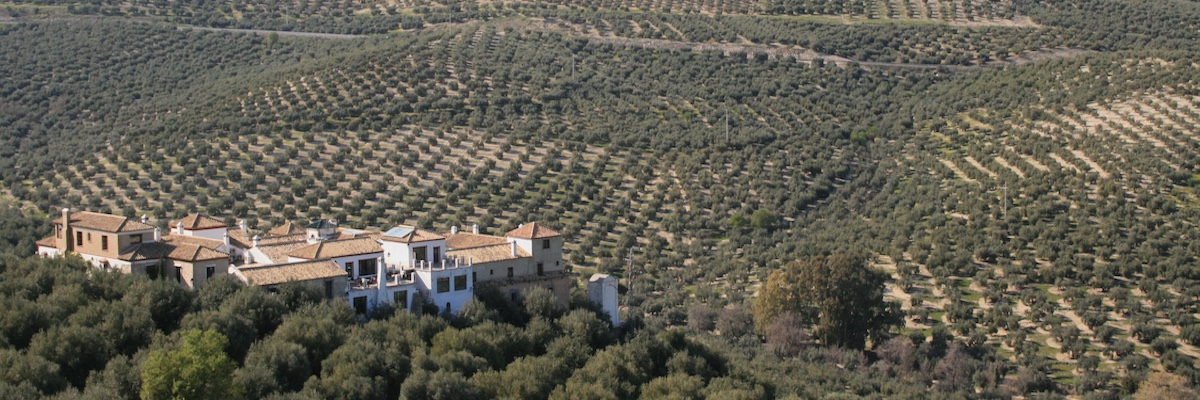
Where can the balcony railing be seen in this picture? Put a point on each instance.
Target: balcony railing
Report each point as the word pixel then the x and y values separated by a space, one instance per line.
pixel 372 282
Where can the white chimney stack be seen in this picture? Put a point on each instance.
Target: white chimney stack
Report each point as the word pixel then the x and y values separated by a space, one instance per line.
pixel 225 238
pixel 145 219
pixel 179 228
pixel 514 248
pixel 380 275
pixel 454 230
pixel 157 234
pixel 242 225
pixel 254 241
pixel 475 228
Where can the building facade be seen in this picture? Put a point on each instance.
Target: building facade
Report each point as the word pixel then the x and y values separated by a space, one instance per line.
pixel 404 267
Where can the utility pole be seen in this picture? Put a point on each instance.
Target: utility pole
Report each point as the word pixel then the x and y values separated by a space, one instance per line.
pixel 631 277
pixel 726 124
pixel 1005 200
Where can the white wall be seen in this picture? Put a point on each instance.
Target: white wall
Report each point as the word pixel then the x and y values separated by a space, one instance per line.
pixel 427 280
pixel 402 254
pixel 396 254
pixel 524 244
pixel 215 233
pixel 602 290
pixel 376 297
pixel 48 251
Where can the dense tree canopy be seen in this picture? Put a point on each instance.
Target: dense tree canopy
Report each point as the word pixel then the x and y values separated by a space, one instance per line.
pixel 1023 172
pixel 198 369
pixel 839 294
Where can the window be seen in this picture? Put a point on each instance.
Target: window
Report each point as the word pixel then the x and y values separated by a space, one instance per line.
pixel 103 242
pixel 135 239
pixel 437 253
pixel 541 270
pixel 79 238
pixel 329 288
pixel 400 299
pixel 545 243
pixel 178 274
pixel 443 285
pixel 366 267
pixel 510 274
pixel 350 269
pixel 360 304
pixel 209 271
pixel 419 253
pixel 58 231
pixel 89 237
pixel 460 282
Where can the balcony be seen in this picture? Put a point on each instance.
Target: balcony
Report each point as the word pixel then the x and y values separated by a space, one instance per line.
pixel 372 282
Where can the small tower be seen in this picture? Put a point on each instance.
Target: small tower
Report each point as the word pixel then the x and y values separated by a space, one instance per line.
pixel 321 230
pixel 602 290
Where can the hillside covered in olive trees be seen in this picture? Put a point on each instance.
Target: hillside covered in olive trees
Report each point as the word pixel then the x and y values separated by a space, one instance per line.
pixel 1023 174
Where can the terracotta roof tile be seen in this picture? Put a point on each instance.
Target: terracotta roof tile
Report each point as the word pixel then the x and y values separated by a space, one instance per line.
pixel 412 236
pixel 146 251
pixel 239 238
pixel 467 240
pixel 200 221
pixel 288 228
pixel 487 254
pixel 48 241
pixel 337 248
pixel 278 252
pixel 532 230
pixel 105 222
pixel 278 240
pixel 275 274
pixel 192 253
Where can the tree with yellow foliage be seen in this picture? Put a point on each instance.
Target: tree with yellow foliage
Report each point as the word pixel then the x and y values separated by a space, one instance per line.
pixel 1165 386
pixel 839 293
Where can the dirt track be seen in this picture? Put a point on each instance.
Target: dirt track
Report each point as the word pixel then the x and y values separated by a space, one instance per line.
pixel 262 32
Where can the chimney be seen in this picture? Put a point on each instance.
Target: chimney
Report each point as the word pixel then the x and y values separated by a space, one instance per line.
pixel 475 228
pixel 145 219
pixel 242 225
pixel 514 248
pixel 454 230
pixel 66 222
pixel 380 275
pixel 179 228
pixel 254 241
pixel 157 234
pixel 225 238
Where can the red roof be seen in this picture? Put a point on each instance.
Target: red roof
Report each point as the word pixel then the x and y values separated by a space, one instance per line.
pixel 200 221
pixel 532 230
